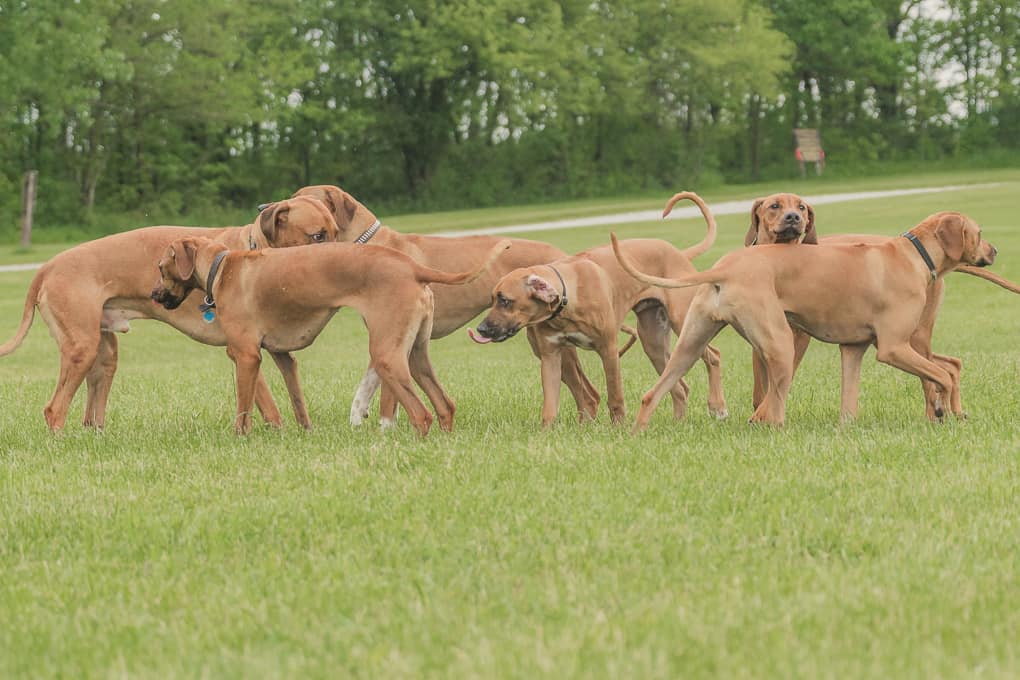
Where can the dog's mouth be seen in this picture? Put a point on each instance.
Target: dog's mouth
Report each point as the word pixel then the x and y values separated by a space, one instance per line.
pixel 486 334
pixel 163 297
pixel 788 234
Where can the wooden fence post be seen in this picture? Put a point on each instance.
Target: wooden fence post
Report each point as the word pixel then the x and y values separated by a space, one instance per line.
pixel 28 206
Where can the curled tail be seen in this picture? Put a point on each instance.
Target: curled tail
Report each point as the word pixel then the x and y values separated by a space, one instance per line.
pixel 989 276
pixel 709 240
pixel 31 300
pixel 624 328
pixel 429 275
pixel 694 279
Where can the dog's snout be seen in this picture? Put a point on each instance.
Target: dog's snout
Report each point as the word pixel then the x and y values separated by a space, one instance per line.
pixel 792 217
pixel 262 206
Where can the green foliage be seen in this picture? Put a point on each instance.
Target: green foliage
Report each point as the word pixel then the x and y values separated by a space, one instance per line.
pixel 182 107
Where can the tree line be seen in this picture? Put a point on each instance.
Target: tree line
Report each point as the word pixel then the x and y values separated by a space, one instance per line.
pixel 179 106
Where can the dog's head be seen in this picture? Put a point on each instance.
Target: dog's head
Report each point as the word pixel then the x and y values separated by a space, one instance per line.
pixel 352 218
pixel 296 222
pixel 781 218
pixel 960 239
pixel 177 276
pixel 520 299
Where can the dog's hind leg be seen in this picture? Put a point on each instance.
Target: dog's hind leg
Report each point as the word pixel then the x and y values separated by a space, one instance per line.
pixel 287 364
pixel 851 357
pixel 699 329
pixel 99 380
pixel 363 397
pixel 79 349
pixel 653 329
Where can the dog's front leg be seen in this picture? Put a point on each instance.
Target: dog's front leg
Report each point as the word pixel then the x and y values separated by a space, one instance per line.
pixel 551 373
pixel 247 363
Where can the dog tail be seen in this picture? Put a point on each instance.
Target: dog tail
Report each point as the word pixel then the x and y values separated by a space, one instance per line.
pixel 709 240
pixel 989 276
pixel 624 328
pixel 695 279
pixel 31 300
pixel 429 275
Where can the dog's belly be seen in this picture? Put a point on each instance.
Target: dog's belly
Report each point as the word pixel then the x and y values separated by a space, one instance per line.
pixel 119 312
pixel 292 334
pixel 836 332
pixel 574 338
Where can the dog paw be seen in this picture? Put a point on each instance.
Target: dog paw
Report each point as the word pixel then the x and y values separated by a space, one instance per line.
pixel 387 423
pixel 719 413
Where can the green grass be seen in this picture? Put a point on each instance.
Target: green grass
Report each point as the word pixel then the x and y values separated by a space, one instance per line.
pixel 167 547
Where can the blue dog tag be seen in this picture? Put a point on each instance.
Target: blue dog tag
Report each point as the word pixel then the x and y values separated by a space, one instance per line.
pixel 209 316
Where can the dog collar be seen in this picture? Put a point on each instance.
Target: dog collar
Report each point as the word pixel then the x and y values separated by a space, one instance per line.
pixel 209 302
pixel 924 254
pixel 368 233
pixel 563 298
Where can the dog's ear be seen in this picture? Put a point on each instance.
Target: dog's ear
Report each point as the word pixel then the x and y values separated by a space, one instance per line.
pixel 183 253
pixel 951 233
pixel 752 233
pixel 540 289
pixel 810 235
pixel 272 218
pixel 341 204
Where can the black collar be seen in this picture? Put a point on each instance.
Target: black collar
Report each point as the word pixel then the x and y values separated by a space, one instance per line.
pixel 209 302
pixel 368 233
pixel 924 254
pixel 563 298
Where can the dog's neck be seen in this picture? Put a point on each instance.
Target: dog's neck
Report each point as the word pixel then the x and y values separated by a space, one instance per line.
pixel 254 239
pixel 204 259
pixel 942 262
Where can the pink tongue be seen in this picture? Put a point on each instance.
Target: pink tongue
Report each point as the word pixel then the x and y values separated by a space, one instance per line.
pixel 477 338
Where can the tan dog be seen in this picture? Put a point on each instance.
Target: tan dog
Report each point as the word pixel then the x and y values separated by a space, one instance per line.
pixel 89 292
pixel 455 306
pixel 255 311
pixel 761 291
pixel 582 300
pixel 771 223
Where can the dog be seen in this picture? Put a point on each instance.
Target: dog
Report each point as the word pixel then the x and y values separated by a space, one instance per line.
pixel 256 311
pixel 455 306
pixel 883 290
pixel 582 301
pixel 89 292
pixel 787 218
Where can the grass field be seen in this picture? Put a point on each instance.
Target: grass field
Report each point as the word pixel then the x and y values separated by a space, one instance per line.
pixel 167 547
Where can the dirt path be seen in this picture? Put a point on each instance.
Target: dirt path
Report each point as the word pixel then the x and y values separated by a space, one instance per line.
pixel 720 208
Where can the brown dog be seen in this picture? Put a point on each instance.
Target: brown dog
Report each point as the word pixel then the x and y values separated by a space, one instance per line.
pixel 455 306
pixel 787 218
pixel 771 222
pixel 582 301
pixel 89 292
pixel 883 290
pixel 256 312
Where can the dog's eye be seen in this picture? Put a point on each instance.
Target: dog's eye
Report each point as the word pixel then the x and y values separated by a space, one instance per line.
pixel 320 237
pixel 800 207
pixel 774 206
pixel 503 301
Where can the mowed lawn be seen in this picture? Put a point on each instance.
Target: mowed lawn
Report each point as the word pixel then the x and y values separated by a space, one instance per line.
pixel 167 547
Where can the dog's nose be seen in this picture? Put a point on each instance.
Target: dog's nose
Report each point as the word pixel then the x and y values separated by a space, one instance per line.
pixel 791 217
pixel 262 206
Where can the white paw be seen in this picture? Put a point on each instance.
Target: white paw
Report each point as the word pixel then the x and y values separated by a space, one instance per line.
pixel 387 423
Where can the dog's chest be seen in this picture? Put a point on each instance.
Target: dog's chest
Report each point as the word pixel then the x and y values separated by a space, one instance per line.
pixel 573 338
